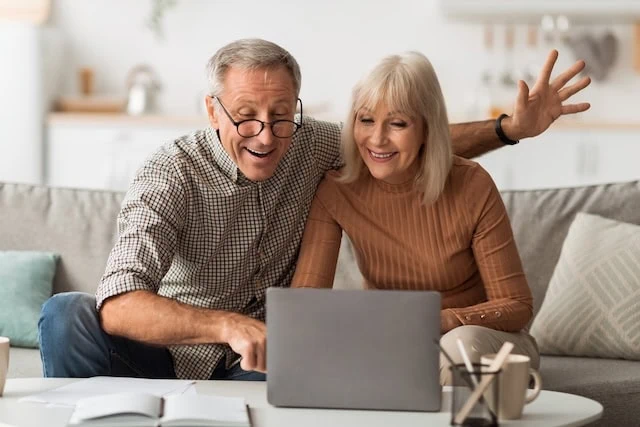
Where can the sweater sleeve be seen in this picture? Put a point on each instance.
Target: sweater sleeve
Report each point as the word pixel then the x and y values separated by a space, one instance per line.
pixel 509 305
pixel 320 247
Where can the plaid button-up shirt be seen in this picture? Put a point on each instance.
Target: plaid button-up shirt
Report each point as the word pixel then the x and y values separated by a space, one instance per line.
pixel 194 229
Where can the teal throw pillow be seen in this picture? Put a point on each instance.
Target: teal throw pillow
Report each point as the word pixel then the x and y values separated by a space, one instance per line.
pixel 26 282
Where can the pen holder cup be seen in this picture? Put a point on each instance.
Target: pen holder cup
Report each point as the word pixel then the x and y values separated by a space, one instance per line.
pixel 463 384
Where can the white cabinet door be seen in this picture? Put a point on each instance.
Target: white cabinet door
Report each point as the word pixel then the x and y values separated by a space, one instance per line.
pixel 547 161
pixel 611 156
pixel 77 157
pixel 567 157
pixel 101 156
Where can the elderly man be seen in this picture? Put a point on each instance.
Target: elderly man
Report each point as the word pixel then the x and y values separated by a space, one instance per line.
pixel 216 217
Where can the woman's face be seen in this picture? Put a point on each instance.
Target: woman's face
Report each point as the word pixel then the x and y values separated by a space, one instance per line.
pixel 389 143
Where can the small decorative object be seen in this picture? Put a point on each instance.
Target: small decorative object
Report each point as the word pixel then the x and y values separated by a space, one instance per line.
pixel 86 80
pixel 142 84
pixel 158 9
pixel 87 100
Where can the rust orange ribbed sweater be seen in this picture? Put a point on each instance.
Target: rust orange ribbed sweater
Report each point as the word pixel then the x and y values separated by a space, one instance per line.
pixel 462 245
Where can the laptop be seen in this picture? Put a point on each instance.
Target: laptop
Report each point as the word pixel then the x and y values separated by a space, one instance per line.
pixel 353 349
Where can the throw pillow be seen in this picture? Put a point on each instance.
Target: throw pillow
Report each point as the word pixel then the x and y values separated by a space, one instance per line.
pixel 26 281
pixel 591 305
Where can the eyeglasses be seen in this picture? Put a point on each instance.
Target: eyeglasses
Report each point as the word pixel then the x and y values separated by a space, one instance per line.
pixel 253 127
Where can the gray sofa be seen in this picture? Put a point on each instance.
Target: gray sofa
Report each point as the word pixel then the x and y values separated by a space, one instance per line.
pixel 80 226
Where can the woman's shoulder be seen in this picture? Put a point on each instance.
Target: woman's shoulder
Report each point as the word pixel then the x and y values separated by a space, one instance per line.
pixel 460 165
pixel 333 175
pixel 464 169
pixel 333 186
pixel 330 183
pixel 469 179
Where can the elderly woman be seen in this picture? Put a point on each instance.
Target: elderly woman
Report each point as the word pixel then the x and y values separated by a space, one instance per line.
pixel 419 217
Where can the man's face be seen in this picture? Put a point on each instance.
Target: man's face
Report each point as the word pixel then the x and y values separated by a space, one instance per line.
pixel 266 94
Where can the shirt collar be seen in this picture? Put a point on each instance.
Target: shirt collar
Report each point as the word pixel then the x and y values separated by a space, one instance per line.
pixel 228 167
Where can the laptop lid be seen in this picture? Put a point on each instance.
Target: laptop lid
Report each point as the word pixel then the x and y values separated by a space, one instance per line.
pixel 354 349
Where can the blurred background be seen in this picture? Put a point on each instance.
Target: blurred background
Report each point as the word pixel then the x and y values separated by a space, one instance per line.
pixel 89 88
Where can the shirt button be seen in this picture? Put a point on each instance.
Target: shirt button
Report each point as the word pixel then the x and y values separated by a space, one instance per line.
pixel 467 317
pixel 482 316
pixel 498 314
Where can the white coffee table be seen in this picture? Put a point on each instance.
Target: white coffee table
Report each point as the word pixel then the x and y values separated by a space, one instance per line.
pixel 551 409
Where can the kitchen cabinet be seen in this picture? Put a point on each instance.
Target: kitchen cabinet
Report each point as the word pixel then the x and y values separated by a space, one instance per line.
pixel 532 10
pixel 105 151
pixel 568 157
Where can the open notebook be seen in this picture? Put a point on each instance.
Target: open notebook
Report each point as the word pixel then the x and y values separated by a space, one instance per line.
pixel 142 410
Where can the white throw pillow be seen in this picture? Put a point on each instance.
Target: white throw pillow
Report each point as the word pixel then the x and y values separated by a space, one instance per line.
pixel 592 305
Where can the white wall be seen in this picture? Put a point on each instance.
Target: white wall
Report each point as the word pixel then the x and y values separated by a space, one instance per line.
pixel 334 41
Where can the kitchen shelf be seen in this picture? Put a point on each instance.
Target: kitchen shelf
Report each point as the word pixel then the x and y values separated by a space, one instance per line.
pixel 531 11
pixel 569 124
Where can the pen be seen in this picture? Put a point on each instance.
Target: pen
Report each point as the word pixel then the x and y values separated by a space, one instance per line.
pixel 467 361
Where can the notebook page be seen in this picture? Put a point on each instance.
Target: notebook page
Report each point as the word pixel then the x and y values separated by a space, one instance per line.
pixel 230 411
pixel 114 404
pixel 69 394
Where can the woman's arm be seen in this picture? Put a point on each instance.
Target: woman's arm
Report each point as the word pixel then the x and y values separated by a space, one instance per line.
pixel 319 250
pixel 509 305
pixel 533 112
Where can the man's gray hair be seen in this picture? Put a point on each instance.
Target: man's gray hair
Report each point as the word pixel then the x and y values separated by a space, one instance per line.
pixel 249 54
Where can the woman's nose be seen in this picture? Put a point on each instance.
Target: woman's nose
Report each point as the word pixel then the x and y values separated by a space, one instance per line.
pixel 378 135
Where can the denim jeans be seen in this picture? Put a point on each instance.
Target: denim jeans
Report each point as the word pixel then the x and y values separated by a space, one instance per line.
pixel 74 345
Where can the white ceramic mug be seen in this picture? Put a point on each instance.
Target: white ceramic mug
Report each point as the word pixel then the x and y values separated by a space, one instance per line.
pixel 4 361
pixel 513 385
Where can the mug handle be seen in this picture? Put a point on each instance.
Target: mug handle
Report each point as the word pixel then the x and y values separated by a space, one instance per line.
pixel 537 388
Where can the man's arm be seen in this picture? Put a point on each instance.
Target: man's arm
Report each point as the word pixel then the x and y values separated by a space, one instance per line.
pixel 150 221
pixel 152 319
pixel 534 111
pixel 472 139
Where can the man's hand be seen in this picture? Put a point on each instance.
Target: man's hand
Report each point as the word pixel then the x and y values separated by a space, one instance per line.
pixel 537 109
pixel 248 337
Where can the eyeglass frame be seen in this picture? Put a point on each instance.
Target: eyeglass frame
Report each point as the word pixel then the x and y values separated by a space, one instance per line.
pixel 271 123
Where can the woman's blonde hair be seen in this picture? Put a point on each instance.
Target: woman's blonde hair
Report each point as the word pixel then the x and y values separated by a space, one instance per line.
pixel 406 83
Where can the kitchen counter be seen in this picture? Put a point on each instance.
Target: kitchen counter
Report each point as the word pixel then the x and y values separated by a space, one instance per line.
pixel 199 121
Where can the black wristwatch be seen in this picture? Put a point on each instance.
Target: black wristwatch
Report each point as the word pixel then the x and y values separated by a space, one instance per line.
pixel 500 132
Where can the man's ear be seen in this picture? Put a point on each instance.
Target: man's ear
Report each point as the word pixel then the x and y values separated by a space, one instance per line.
pixel 212 114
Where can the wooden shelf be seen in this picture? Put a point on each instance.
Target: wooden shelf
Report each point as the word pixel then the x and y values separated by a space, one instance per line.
pixel 596 125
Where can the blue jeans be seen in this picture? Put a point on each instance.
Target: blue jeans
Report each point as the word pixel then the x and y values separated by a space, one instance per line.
pixel 74 345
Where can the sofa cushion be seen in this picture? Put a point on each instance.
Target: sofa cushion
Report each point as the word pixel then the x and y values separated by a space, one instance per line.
pixel 26 279
pixel 612 382
pixel 541 218
pixel 80 225
pixel 590 308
